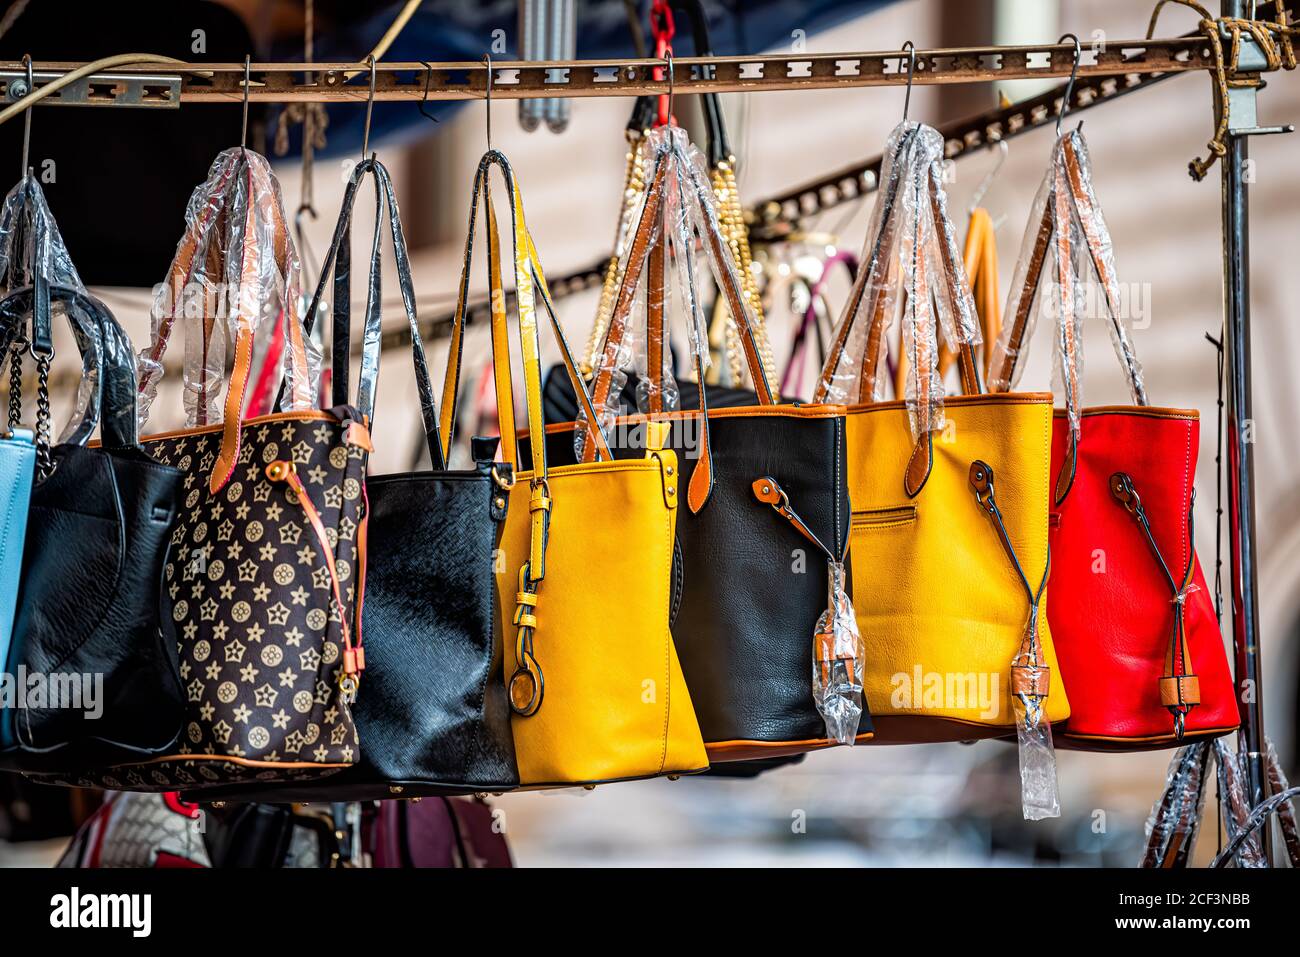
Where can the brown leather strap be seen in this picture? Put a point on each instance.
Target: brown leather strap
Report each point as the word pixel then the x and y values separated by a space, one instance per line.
pixel 651 232
pixel 1078 204
pixel 655 326
pixel 872 296
pixel 502 374
pixel 876 279
pixel 210 223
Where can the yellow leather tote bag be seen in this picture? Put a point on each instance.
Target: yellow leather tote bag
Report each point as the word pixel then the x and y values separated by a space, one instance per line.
pixel 584 572
pixel 948 544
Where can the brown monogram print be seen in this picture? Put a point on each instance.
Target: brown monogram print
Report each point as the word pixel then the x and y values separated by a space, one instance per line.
pixel 251 601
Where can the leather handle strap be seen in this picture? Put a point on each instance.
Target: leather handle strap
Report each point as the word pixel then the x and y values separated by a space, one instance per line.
pixel 203 238
pixel 870 294
pixel 530 286
pixel 967 366
pixel 105 351
pixel 337 266
pixel 249 175
pixel 651 232
pixel 1070 175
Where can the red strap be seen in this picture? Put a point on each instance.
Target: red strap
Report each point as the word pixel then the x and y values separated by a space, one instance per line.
pixel 287 472
pixel 663 29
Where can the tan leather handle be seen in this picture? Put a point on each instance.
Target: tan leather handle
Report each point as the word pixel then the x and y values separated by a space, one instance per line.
pixel 210 223
pixel 530 289
pixel 871 297
pixel 870 294
pixel 649 235
pixel 1068 177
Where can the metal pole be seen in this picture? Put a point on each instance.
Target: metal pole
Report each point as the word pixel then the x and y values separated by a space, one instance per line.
pixel 1243 570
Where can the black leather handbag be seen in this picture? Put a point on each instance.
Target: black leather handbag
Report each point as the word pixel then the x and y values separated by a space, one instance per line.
pixel 87 629
pixel 752 587
pixel 431 714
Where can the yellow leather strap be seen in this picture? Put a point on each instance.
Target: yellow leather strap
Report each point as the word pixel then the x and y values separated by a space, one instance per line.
pixel 530 283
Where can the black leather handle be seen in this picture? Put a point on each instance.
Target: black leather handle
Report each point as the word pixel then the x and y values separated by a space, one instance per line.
pixel 105 352
pixel 718 146
pixel 340 258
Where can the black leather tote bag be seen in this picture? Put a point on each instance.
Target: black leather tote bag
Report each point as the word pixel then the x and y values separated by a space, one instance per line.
pixel 752 587
pixel 87 630
pixel 432 714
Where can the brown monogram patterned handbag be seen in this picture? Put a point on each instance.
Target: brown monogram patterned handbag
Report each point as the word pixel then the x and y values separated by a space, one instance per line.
pixel 263 585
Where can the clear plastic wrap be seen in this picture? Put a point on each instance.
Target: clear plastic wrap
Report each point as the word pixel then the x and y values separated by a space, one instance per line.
pixel 1005 354
pixel 1039 794
pixel 1175 818
pixel 1067 246
pixel 1286 816
pixel 910 244
pixel 1236 804
pixel 235 267
pixel 877 283
pixel 30 241
pixel 689 219
pixel 838 659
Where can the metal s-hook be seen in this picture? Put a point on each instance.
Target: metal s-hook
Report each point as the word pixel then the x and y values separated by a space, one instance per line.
pixel 424 101
pixel 668 58
pixel 370 106
pixel 1069 86
pixel 487 96
pixel 27 116
pixel 243 130
pixel 910 48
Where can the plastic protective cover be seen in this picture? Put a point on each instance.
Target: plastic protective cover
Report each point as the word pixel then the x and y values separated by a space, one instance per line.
pixel 1039 793
pixel 838 658
pixel 690 219
pixel 1236 803
pixel 1071 289
pixel 908 242
pixel 235 263
pixel 1175 818
pixel 30 242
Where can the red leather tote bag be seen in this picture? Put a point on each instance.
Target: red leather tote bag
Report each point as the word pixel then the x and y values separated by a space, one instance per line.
pixel 1136 635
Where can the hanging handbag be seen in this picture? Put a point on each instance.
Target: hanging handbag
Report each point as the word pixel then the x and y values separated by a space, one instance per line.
pixel 754 568
pixel 434 719
pixel 446 832
pixel 29 242
pixel 96 674
pixel 262 591
pixel 1140 649
pixel 721 163
pixel 949 542
pixel 17 461
pixel 585 576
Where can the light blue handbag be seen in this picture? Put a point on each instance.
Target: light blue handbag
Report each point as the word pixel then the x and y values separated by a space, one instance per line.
pixel 17 461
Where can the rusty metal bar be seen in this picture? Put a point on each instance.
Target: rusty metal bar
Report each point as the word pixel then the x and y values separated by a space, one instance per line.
pixel 288 82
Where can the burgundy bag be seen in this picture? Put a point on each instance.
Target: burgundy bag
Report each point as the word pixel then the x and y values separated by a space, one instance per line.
pixel 438 832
